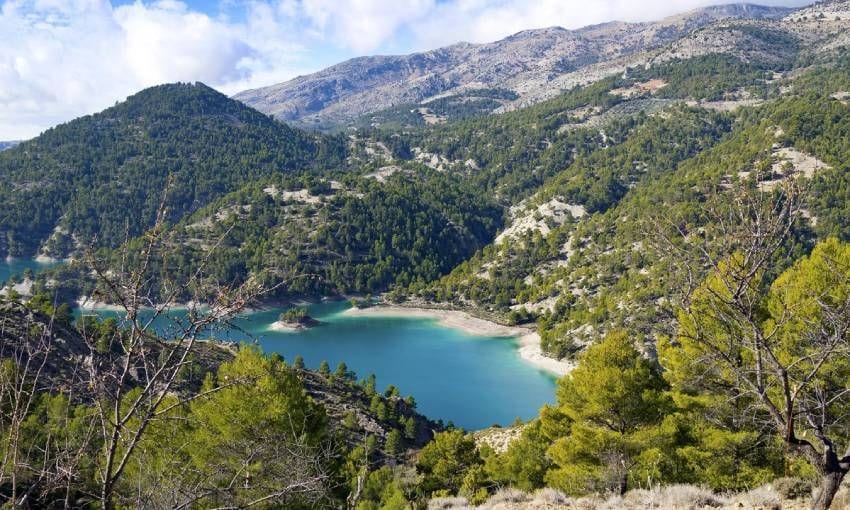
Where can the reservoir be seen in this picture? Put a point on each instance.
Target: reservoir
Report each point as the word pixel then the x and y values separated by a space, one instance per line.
pixel 473 381
pixel 9 267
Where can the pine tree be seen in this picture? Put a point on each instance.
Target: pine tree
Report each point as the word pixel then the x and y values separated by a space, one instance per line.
pixel 324 369
pixel 393 444
pixel 614 399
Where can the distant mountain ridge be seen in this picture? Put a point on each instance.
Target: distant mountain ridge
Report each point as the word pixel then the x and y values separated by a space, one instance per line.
pixel 8 145
pixel 521 62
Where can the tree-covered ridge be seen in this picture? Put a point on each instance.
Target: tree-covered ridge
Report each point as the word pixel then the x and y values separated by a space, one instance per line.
pixel 474 103
pixel 322 237
pixel 101 177
pixel 709 77
pixel 519 151
pixel 524 267
pixel 583 278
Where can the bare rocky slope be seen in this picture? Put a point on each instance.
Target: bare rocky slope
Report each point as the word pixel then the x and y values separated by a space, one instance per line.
pixel 530 63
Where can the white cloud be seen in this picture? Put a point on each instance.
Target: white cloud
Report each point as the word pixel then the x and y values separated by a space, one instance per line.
pixel 60 59
pixel 63 58
pixel 362 25
pixel 489 20
pixel 166 42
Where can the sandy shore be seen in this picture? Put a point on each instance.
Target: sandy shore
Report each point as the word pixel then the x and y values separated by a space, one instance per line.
pixel 529 341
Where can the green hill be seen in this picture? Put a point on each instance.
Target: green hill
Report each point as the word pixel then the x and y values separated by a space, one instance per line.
pixel 101 177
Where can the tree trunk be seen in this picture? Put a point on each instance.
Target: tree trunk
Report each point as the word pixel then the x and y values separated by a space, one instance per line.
pixel 830 484
pixel 623 483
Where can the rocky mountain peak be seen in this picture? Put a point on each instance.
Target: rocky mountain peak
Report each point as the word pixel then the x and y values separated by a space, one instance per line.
pixel 523 63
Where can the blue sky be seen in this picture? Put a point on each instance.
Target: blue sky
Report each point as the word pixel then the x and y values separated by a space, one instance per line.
pixel 60 59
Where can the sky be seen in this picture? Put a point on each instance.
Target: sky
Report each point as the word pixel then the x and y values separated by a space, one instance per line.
pixel 60 59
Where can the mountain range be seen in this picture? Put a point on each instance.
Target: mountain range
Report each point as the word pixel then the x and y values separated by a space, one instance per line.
pixel 534 64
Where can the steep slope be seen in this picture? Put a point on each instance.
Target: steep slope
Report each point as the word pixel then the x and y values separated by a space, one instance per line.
pixel 426 205
pixel 584 275
pixel 523 62
pixel 328 238
pixel 100 177
pixel 59 354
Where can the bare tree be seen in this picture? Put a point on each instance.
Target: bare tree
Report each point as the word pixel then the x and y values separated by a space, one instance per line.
pixel 131 379
pixel 785 349
pixel 35 467
pixel 136 371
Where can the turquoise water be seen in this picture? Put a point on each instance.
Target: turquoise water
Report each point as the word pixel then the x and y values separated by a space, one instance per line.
pixel 18 266
pixel 472 381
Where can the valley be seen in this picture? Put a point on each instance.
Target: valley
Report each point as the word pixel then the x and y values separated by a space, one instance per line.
pixel 606 267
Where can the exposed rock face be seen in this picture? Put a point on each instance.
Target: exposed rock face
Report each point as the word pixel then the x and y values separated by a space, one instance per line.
pixel 524 62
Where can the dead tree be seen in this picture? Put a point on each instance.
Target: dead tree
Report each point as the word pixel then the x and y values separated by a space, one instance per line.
pixel 131 379
pixel 34 467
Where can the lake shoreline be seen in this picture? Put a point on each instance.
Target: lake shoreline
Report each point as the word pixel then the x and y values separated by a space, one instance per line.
pixel 528 339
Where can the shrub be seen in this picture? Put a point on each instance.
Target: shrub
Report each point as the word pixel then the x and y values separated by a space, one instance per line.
pixel 616 502
pixel 507 496
pixel 764 497
pixel 688 496
pixel 792 487
pixel 550 496
pixel 448 503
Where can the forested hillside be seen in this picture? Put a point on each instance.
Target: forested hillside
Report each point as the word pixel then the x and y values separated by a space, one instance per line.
pixel 584 274
pixel 329 238
pixel 102 177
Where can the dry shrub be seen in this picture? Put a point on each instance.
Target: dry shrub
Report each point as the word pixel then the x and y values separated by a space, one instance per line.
pixel 793 487
pixel 761 498
pixel 616 502
pixel 549 496
pixel 507 495
pixel 640 498
pixel 683 496
pixel 449 503
pixel 586 503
